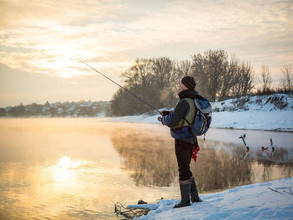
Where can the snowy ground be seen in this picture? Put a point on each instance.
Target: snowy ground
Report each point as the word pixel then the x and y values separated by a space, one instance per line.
pixel 273 112
pixel 260 120
pixel 269 200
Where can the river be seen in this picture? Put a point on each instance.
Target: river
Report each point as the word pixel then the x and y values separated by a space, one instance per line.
pixel 65 168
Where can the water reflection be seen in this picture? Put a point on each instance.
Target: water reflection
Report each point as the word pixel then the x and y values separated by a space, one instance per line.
pixel 75 168
pixel 54 191
pixel 59 169
pixel 280 155
pixel 149 159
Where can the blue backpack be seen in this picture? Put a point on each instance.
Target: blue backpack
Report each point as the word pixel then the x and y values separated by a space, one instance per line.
pixel 203 116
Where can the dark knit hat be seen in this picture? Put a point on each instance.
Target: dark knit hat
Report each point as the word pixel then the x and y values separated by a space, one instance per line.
pixel 189 82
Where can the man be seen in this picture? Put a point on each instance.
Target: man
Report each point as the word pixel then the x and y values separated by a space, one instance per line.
pixel 184 140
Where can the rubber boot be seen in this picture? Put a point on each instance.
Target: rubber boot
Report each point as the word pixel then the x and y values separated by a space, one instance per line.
pixel 185 194
pixel 193 191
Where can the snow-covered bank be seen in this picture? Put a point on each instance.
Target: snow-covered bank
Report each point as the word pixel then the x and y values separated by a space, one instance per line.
pixel 262 120
pixel 272 112
pixel 269 200
pixel 252 120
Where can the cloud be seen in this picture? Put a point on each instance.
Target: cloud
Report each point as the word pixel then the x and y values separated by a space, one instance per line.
pixel 41 13
pixel 19 86
pixel 256 31
pixel 52 32
pixel 205 21
pixel 42 36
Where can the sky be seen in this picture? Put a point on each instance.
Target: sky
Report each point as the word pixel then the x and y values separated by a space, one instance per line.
pixel 39 40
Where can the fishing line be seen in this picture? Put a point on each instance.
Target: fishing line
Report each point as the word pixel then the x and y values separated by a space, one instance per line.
pixel 140 99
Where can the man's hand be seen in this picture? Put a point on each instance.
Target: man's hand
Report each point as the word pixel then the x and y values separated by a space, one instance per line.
pixel 160 119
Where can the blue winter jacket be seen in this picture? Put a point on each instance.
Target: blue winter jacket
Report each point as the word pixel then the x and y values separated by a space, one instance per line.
pixel 180 111
pixel 176 133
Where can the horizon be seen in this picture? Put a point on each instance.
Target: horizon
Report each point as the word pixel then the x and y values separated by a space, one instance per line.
pixel 89 100
pixel 39 40
pixel 57 102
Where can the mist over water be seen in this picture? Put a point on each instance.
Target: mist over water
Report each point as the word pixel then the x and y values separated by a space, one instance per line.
pixel 77 168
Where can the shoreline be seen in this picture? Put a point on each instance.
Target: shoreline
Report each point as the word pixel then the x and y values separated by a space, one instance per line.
pixel 253 201
pixel 234 123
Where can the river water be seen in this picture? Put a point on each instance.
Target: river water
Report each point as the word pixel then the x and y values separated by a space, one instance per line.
pixel 76 168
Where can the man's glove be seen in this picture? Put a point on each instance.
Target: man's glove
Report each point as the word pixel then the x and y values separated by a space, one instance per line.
pixel 160 119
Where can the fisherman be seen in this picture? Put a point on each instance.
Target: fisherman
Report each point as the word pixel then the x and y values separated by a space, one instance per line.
pixel 185 142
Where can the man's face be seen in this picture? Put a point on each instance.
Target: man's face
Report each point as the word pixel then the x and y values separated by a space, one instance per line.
pixel 182 87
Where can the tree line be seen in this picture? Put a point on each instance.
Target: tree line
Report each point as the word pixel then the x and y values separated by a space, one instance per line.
pixel 65 109
pixel 218 76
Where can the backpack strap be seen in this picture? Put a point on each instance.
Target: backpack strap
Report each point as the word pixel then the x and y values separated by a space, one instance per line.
pixel 189 117
pixel 192 105
pixel 192 111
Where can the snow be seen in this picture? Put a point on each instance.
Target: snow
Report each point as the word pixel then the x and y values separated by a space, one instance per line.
pixel 262 120
pixel 252 120
pixel 272 112
pixel 269 200
pixel 272 102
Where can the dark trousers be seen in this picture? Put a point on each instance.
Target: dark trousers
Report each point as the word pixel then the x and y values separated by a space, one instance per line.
pixel 183 152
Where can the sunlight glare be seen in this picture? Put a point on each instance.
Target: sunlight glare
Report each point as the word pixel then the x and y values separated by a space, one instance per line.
pixel 61 59
pixel 64 162
pixel 65 173
pixel 67 163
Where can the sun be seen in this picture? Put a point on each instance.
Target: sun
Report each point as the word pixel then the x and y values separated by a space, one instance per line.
pixel 61 61
pixel 62 66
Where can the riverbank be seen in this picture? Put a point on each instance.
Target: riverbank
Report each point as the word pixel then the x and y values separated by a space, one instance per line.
pixel 252 120
pixel 269 112
pixel 269 200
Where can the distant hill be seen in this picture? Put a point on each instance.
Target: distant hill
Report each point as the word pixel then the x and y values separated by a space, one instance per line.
pixel 58 109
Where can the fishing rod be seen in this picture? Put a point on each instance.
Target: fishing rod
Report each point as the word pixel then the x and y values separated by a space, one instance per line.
pixel 140 99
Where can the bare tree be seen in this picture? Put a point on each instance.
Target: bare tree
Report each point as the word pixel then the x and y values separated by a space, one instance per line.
pixel 162 72
pixel 287 79
pixel 209 70
pixel 229 79
pixel 242 80
pixel 149 79
pixel 247 77
pixel 220 78
pixel 181 69
pixel 265 78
